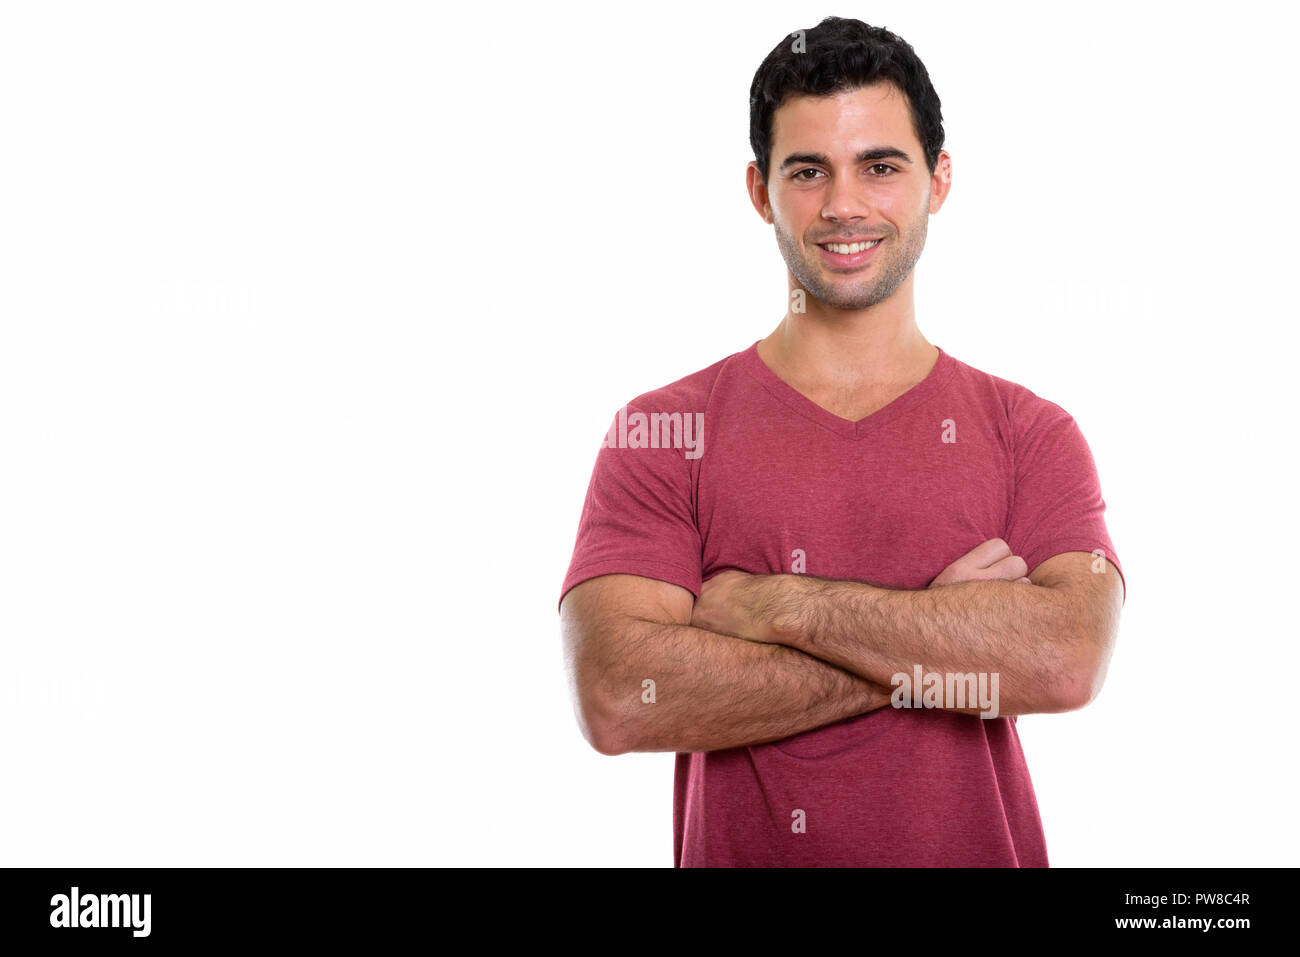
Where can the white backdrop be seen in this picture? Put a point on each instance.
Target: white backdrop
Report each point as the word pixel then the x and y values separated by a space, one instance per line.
pixel 312 317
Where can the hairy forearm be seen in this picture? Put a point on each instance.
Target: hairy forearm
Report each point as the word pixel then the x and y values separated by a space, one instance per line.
pixel 714 691
pixel 1021 632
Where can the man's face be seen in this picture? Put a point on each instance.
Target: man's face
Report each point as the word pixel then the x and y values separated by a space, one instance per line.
pixel 837 176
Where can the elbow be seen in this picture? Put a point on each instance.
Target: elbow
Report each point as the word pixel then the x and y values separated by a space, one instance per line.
pixel 1079 685
pixel 1073 694
pixel 606 737
pixel 605 702
pixel 606 727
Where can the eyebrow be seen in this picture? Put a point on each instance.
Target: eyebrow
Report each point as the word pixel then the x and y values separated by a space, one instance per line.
pixel 866 156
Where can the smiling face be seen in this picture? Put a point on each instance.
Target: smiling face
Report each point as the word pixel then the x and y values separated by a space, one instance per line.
pixel 848 169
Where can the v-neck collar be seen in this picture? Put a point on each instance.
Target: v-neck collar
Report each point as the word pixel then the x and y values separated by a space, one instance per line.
pixel 931 385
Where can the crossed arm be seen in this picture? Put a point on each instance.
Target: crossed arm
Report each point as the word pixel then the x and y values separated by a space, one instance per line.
pixel 708 691
pixel 763 657
pixel 1049 645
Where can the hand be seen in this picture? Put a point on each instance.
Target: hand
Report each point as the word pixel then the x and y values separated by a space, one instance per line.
pixel 991 561
pixel 727 606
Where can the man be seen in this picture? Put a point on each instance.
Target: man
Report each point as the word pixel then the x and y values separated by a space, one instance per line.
pixel 830 570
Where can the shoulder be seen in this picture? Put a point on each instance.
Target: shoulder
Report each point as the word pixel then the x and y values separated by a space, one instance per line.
pixel 690 393
pixel 1024 411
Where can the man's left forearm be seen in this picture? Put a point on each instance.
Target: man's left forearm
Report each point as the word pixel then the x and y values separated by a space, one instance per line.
pixel 1024 633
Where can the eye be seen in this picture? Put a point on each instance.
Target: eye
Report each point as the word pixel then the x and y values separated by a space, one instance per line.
pixel 886 169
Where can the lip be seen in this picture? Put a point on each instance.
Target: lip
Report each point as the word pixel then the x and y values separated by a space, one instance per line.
pixel 849 260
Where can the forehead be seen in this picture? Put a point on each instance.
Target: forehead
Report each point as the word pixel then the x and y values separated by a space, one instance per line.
pixel 869 115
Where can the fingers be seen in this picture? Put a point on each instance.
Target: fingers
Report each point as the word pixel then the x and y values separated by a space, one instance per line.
pixel 1010 568
pixel 988 561
pixel 987 553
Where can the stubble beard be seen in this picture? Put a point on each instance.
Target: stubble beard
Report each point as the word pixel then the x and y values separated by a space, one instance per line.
pixel 845 291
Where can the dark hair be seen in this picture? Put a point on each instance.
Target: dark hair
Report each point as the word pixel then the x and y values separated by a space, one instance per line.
pixel 842 55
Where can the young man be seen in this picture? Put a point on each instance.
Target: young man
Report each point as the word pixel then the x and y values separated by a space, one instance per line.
pixel 830 569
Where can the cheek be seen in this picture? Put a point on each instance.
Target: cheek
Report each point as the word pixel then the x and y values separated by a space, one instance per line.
pixel 796 210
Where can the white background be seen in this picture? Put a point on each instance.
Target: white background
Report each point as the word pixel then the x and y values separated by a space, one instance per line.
pixel 313 316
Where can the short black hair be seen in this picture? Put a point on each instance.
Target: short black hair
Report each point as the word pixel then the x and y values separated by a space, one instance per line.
pixel 839 55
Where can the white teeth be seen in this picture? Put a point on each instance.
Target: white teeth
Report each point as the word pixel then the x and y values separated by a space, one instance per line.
pixel 850 248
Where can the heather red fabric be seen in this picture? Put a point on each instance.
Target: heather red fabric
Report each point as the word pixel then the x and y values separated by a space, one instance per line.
pixel 773 480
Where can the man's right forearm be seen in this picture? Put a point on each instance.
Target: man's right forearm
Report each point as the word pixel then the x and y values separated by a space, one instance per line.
pixel 714 691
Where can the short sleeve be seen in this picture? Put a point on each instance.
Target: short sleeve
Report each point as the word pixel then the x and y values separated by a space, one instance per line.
pixel 638 517
pixel 1057 505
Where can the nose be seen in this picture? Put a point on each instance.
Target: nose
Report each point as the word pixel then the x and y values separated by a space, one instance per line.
pixel 846 200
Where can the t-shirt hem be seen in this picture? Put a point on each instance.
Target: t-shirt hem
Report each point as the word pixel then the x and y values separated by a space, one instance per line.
pixel 1052 549
pixel 646 568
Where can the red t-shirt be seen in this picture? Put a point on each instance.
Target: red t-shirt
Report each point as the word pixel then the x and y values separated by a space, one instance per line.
pixel 753 475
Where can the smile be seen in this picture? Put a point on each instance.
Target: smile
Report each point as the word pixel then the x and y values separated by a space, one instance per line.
pixel 849 254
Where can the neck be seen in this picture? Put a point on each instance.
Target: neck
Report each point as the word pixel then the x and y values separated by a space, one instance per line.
pixel 850 349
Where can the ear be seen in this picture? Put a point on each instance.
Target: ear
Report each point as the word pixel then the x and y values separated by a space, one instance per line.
pixel 758 194
pixel 941 181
